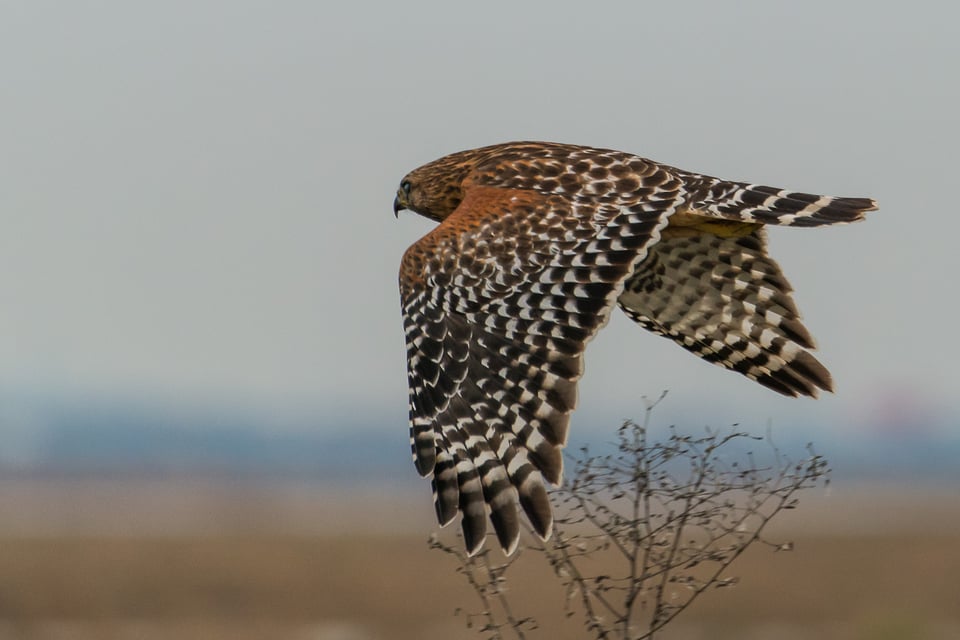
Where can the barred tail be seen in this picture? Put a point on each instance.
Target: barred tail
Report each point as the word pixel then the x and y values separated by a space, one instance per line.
pixel 770 205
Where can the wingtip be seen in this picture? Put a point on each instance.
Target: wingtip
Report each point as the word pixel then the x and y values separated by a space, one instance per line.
pixel 536 504
pixel 510 548
pixel 803 376
pixel 473 542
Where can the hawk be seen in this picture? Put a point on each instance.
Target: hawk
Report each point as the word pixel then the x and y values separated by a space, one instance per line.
pixel 537 243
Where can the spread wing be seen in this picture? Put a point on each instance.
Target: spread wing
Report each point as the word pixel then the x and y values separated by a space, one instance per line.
pixel 498 304
pixel 726 300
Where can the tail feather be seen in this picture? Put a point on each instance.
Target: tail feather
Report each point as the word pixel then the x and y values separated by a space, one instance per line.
pixel 770 205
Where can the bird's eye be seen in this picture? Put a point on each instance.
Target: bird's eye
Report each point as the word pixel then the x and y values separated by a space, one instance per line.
pixel 405 186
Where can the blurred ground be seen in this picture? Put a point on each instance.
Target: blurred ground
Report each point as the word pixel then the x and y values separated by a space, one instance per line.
pixel 123 557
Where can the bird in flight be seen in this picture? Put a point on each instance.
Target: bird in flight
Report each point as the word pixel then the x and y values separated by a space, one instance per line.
pixel 537 243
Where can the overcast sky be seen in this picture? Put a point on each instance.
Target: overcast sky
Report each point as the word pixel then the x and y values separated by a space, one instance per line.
pixel 195 197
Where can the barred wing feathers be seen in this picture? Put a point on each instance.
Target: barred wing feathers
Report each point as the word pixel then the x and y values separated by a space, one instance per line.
pixel 726 300
pixel 499 302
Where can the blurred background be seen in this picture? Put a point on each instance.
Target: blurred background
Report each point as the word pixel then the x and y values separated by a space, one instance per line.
pixel 202 380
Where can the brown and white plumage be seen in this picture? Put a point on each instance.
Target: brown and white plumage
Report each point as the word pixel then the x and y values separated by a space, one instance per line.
pixel 537 243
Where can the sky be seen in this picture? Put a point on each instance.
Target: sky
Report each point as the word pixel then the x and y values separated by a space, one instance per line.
pixel 196 196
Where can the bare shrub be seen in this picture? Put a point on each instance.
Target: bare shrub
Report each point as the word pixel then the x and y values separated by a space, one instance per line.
pixel 663 520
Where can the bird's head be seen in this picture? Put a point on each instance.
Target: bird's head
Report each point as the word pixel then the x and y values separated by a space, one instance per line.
pixel 435 190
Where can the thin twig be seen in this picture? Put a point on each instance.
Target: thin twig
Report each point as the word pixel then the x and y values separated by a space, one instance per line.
pixel 677 513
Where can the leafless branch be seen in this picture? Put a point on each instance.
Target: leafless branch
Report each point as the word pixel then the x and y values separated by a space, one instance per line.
pixel 641 532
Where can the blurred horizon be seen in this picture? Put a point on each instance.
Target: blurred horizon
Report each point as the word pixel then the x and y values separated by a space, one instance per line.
pixel 60 435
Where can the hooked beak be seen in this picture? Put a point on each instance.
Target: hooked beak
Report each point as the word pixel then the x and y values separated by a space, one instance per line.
pixel 398 205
